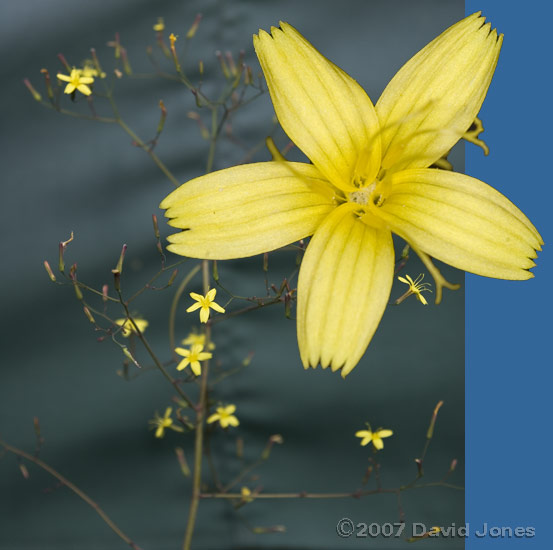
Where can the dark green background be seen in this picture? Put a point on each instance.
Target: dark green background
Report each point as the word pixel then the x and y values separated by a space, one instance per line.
pixel 65 174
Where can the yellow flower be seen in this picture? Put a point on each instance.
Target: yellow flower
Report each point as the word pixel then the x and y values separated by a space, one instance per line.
pixel 162 423
pixel 225 416
pixel 192 357
pixel 416 287
pixel 205 302
pixel 128 327
pixel 376 437
pixel 245 492
pixel 160 25
pixel 369 176
pixel 195 338
pixel 76 81
pixel 90 70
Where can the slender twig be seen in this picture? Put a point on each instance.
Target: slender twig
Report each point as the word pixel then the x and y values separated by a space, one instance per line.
pixel 152 354
pixel 199 436
pixel 175 303
pixel 81 494
pixel 225 316
pixel 354 494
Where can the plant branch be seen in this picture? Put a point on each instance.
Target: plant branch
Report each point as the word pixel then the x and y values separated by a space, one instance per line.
pixel 81 494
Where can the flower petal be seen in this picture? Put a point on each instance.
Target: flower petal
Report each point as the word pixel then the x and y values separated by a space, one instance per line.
pixel 378 443
pixel 233 421
pixel 321 108
pixel 196 368
pixel 84 89
pixel 217 307
pixel 343 288
pixel 247 210
pixel 204 314
pixel 183 364
pixel 384 433
pixel 461 221
pixel 211 294
pixel 436 95
pixel 193 307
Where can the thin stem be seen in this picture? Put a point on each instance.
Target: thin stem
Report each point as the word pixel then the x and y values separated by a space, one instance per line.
pixel 148 150
pixel 153 355
pixel 173 311
pixel 81 494
pixel 213 140
pixel 148 285
pixel 225 316
pixel 199 437
pixel 354 494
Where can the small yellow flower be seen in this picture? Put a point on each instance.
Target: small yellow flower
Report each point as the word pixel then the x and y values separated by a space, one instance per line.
pixel 376 437
pixel 160 25
pixel 76 81
pixel 225 416
pixel 195 338
pixel 128 327
pixel 173 39
pixel 90 71
pixel 161 423
pixel 205 302
pixel 192 357
pixel 416 287
pixel 245 492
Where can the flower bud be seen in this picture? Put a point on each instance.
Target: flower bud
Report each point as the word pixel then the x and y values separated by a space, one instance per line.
pixel 34 93
pixel 192 31
pixel 49 271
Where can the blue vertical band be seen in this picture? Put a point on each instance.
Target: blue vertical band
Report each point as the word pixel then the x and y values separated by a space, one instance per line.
pixel 508 323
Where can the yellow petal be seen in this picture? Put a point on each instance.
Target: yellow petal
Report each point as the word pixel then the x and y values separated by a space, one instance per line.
pixel 247 210
pixel 230 409
pixel 217 307
pixel 322 109
pixel 436 95
pixel 344 285
pixel 183 364
pixel 84 89
pixel 233 421
pixel 461 221
pixel 384 433
pixel 378 443
pixel 363 433
pixel 70 88
pixel 211 294
pixel 213 418
pixel 194 307
pixel 196 368
pixel 64 77
pixel 204 314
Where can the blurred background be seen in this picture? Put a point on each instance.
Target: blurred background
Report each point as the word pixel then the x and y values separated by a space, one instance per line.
pixel 65 174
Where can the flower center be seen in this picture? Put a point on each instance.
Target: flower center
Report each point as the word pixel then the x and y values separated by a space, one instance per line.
pixel 372 193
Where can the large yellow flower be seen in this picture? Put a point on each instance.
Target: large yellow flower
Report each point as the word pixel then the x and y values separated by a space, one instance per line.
pixel 369 177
